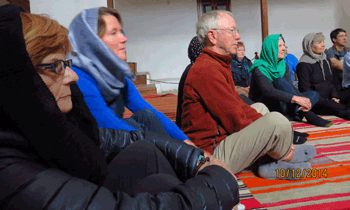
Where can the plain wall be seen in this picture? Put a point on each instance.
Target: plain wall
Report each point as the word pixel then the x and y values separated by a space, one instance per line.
pixel 343 16
pixel 159 31
pixel 63 10
pixel 293 19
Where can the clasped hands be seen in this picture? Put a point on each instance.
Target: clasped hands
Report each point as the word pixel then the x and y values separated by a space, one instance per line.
pixel 305 103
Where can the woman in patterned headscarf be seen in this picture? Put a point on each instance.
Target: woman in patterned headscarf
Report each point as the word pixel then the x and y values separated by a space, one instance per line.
pixel 194 50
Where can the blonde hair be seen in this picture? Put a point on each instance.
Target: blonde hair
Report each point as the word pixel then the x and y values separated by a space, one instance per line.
pixel 43 36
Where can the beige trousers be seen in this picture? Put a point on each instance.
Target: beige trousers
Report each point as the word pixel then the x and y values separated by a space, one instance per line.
pixel 272 134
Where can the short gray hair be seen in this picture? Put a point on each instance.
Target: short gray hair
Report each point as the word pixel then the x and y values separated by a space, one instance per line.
pixel 317 38
pixel 209 21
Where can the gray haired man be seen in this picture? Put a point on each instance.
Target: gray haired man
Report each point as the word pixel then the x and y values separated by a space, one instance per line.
pixel 217 120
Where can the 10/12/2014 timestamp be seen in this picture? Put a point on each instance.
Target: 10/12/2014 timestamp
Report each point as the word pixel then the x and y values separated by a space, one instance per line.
pixel 299 173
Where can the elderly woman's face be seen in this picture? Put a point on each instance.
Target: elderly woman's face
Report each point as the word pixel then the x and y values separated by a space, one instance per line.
pixel 59 85
pixel 318 47
pixel 240 52
pixel 281 49
pixel 113 37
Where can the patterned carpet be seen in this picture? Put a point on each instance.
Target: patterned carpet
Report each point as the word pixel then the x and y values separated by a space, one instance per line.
pixel 327 185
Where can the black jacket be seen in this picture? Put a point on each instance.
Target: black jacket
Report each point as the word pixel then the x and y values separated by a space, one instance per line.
pixel 51 160
pixel 180 155
pixel 262 90
pixel 311 77
pixel 28 183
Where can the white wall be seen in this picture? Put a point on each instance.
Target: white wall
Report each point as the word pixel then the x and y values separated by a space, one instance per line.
pixel 159 32
pixel 293 19
pixel 342 14
pixel 63 10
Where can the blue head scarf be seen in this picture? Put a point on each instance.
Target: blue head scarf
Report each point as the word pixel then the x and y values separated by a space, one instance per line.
pixel 92 55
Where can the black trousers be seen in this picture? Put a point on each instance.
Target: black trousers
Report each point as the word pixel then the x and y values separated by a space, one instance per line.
pixel 329 107
pixel 141 167
pixel 344 96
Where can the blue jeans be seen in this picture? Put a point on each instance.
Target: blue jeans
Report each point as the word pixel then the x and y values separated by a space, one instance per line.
pixel 290 110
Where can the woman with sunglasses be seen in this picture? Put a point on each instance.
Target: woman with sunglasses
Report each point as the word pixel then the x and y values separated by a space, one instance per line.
pixel 50 156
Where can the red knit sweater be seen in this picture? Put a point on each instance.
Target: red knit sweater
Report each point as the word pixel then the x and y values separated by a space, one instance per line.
pixel 211 106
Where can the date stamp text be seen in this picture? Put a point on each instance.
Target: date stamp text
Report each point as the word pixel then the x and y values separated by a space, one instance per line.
pixel 299 173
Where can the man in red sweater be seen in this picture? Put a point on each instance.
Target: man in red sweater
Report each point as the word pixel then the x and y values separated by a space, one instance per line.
pixel 214 116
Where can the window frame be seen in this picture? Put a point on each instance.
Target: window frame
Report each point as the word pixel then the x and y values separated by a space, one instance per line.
pixel 213 4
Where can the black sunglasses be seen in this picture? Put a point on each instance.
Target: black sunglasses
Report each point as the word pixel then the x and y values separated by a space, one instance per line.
pixel 59 66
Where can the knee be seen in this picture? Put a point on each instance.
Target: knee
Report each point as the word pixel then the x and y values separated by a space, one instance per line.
pixel 316 97
pixel 261 108
pixel 259 104
pixel 278 120
pixel 145 112
pixel 313 96
pixel 141 146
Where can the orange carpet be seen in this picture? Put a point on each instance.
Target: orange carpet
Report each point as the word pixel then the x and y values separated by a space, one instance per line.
pixel 327 185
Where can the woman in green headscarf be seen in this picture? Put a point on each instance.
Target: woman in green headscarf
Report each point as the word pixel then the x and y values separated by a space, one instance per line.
pixel 271 84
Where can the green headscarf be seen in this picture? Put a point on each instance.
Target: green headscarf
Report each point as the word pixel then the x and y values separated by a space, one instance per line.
pixel 268 63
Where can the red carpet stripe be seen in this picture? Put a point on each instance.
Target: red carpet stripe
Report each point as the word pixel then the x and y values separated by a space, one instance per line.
pixel 325 206
pixel 333 149
pixel 333 144
pixel 320 197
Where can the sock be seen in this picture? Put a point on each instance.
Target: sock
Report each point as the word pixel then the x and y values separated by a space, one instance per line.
pixel 299 139
pixel 296 133
pixel 303 153
pixel 314 119
pixel 284 170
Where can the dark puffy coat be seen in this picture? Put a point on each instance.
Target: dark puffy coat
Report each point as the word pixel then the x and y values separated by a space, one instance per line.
pixel 181 156
pixel 28 183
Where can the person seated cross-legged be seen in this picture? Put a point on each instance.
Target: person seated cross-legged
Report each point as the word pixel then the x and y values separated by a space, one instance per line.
pixel 272 85
pixel 216 119
pixel 105 77
pixel 317 74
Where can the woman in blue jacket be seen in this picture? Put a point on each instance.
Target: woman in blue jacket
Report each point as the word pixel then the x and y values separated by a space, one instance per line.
pixel 105 78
